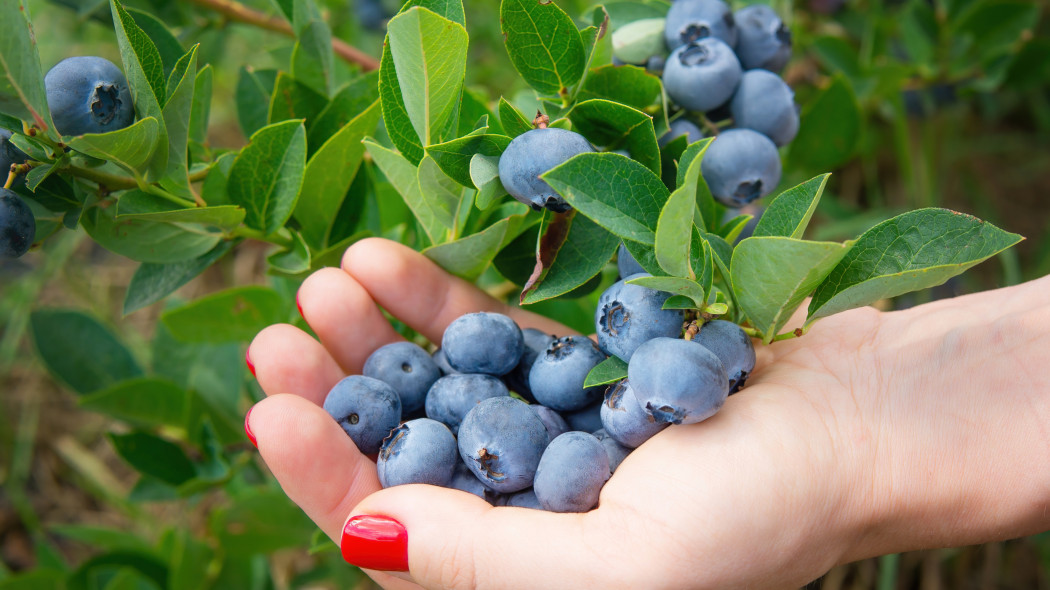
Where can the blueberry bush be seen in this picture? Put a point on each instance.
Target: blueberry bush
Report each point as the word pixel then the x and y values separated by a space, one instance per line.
pixel 613 156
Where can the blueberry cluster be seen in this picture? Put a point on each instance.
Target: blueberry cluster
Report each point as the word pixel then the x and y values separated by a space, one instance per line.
pixel 17 223
pixel 449 418
pixel 726 64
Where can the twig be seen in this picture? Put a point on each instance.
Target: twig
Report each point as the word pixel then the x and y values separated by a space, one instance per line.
pixel 241 13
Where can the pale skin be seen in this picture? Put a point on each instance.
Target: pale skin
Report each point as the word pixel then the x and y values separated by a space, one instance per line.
pixel 874 433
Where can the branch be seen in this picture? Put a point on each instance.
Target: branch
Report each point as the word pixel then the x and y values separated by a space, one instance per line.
pixel 241 13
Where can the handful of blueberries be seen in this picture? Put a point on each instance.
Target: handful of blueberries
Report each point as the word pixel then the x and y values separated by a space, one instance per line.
pixel 449 419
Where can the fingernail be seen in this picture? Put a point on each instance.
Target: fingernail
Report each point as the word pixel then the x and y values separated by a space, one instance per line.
pixel 248 426
pixel 299 306
pixel 375 543
pixel 248 361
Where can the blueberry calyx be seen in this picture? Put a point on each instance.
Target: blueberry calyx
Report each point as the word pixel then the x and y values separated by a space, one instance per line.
pixel 695 55
pixel 783 34
pixel 106 103
pixel 396 438
pixel 488 461
pixel 614 317
pixel 666 413
pixel 695 31
pixel 748 191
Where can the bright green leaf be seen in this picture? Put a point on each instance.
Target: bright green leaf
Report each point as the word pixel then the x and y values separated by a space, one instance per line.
pixel 454 157
pixel 132 148
pixel 610 370
pixel 268 173
pixel 790 212
pixel 544 45
pixel 611 124
pixel 20 63
pixel 469 256
pixel 232 315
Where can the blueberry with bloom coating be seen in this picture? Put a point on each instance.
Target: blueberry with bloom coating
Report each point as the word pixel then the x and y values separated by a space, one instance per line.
pixel 463 479
pixel 624 419
pixel 442 362
pixel 452 396
pixel 536 341
pixel 533 153
pixel 88 94
pixel 17 225
pixel 555 424
pixel 367 409
pixel 702 75
pixel 418 451
pixel 763 40
pixel 740 166
pixel 692 20
pixel 626 264
pixel 501 440
pixel 524 499
pixel 557 376
pixel 617 452
pixel 588 419
pixel 407 368
pixel 10 155
pixel 628 315
pixel 765 103
pixel 733 348
pixel 483 342
pixel 571 473
pixel 677 381
pixel 679 127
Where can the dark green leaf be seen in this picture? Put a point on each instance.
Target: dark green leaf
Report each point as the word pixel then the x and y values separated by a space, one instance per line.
pixel 830 128
pixel 618 193
pixel 395 114
pixel 177 112
pixel 35 579
pixel 347 104
pixel 517 260
pixel 292 261
pixel 312 57
pixel 168 47
pixel 434 211
pixel 154 456
pixel 214 190
pixel 679 302
pixel 513 121
pixel 268 173
pixel 80 351
pixel 645 255
pixel 136 204
pixel 915 250
pixel 484 174
pixel 147 241
pixel 544 45
pixel 688 176
pixel 254 89
pixel 232 315
pixel 132 148
pixel 469 256
pixel 614 125
pixel 734 227
pixel 293 100
pixel 789 213
pixel 629 85
pixel 153 282
pixel 260 521
pixel 23 78
pixel 144 402
pixel 608 371
pixel 675 285
pixel 450 9
pixel 454 156
pixel 674 233
pixel 573 250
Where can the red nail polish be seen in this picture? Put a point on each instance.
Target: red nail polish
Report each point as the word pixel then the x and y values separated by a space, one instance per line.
pixel 248 361
pixel 299 306
pixel 375 543
pixel 248 427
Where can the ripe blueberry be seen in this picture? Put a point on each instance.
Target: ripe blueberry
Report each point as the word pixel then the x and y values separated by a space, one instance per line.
pixel 463 479
pixel 679 127
pixel 501 440
pixel 552 420
pixel 418 451
pixel 489 343
pixel 624 419
pixel 626 264
pixel 557 376
pixel 452 396
pixel 740 166
pixel 765 103
pixel 571 473
pixel 677 381
pixel 536 341
pixel 366 408
pixel 733 348
pixel 628 315
pixel 524 499
pixel 531 154
pixel 702 75
pixel 88 94
pixel 692 20
pixel 763 39
pixel 407 368
pixel 588 419
pixel 617 452
pixel 17 225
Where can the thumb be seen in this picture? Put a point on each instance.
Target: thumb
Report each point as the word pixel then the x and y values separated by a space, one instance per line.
pixel 457 540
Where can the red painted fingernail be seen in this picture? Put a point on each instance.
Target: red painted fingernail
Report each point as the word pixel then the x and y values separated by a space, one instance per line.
pixel 299 306
pixel 248 426
pixel 248 361
pixel 375 543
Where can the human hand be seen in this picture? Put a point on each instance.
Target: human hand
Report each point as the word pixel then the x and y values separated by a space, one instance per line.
pixel 845 443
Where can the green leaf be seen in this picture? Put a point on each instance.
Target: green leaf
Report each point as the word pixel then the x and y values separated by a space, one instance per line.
pixel 608 123
pixel 573 249
pixel 147 241
pixel 136 204
pixel 395 114
pixel 484 174
pixel 830 128
pixel 201 110
pixel 912 251
pixel 430 57
pixel 679 302
pixel 608 371
pixel 293 100
pixel 329 174
pixel 144 402
pixel 674 234
pixel 131 148
pixel 153 282
pixel 734 227
pixel 312 58
pixel 772 275
pixel 630 85
pixel 469 256
pixel 454 157
pixel 144 70
pixel 636 41
pixel 232 315
pixel 261 521
pixel 544 45
pixel 789 213
pixel 20 64
pixel 722 253
pixel 154 456
pixel 645 255
pixel 268 173
pixel 689 176
pixel 675 285
pixel 435 212
pixel 168 47
pixel 618 193
pixel 513 121
pixel 254 89
pixel 347 104
pixel 177 112
pixel 623 12
pixel 214 190
pixel 516 260
pixel 293 261
pixel 441 191
pixel 80 351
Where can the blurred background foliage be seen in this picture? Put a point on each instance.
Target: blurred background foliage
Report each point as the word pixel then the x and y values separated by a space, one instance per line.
pixel 911 103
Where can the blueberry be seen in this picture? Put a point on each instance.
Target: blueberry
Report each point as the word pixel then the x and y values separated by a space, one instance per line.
pixel 628 315
pixel 624 419
pixel 418 451
pixel 655 64
pixel 571 473
pixel 489 343
pixel 692 20
pixel 442 362
pixel 366 408
pixel 371 14
pixel 702 75
pixel 677 381
pixel 17 225
pixel 763 39
pixel 765 103
pixel 463 479
pixel 558 374
pixel 407 368
pixel 452 396
pixel 588 419
pixel 88 95
pixel 501 440
pixel 552 420
pixel 626 264
pixel 536 341
pixel 9 155
pixel 531 154
pixel 679 127
pixel 732 347
pixel 617 452
pixel 740 166
pixel 524 499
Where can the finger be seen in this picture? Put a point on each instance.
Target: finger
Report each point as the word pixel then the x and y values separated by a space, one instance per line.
pixel 420 293
pixel 456 540
pixel 344 316
pixel 287 359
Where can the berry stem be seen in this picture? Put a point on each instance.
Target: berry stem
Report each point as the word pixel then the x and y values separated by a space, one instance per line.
pixel 257 235
pixel 159 192
pixel 118 182
pixel 708 125
pixel 11 175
